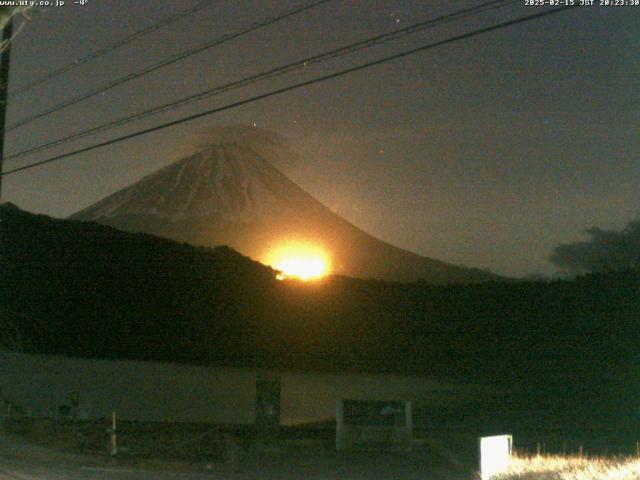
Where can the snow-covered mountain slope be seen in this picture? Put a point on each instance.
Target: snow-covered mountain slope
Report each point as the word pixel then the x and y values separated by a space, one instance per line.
pixel 228 182
pixel 228 194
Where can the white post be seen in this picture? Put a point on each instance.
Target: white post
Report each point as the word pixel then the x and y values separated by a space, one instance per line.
pixel 113 436
pixel 495 455
pixel 340 440
pixel 408 425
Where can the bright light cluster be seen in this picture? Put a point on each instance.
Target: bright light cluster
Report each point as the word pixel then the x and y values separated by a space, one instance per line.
pixel 297 260
pixel 302 268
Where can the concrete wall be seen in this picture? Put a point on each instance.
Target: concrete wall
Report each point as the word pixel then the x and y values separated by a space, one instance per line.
pixel 152 391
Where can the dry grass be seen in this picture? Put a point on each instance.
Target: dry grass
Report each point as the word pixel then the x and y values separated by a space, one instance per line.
pixel 557 467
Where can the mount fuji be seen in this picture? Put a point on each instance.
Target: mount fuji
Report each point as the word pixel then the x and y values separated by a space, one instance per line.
pixel 230 194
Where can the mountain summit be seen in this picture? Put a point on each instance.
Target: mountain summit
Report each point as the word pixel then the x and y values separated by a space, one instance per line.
pixel 226 185
pixel 230 194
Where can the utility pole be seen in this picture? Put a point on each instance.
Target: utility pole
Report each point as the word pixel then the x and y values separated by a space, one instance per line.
pixel 7 32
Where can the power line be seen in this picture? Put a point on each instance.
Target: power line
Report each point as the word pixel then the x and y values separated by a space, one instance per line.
pixel 296 86
pixel 164 63
pixel 275 72
pixel 110 48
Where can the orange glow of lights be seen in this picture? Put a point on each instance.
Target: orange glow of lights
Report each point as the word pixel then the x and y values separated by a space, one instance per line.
pixel 299 261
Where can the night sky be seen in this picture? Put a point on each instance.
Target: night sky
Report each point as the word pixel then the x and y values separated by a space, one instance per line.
pixel 487 152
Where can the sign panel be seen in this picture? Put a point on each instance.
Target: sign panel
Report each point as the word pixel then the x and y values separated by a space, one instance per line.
pixel 495 454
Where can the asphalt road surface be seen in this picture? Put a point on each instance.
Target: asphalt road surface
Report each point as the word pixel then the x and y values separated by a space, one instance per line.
pixel 17 470
pixel 288 468
pixel 22 461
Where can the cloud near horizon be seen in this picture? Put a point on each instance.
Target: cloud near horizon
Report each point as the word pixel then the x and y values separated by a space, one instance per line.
pixel 605 250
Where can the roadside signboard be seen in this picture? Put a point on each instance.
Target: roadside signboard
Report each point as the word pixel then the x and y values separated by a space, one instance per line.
pixel 495 454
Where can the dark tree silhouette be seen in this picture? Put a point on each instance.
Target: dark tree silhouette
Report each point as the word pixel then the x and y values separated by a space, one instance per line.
pixel 568 349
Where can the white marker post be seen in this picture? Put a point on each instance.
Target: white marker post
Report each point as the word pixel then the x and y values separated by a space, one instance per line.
pixel 495 454
pixel 113 440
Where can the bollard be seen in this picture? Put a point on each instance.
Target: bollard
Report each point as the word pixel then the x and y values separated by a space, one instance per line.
pixel 113 440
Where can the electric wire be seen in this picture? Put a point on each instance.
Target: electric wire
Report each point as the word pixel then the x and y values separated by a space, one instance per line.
pixel 164 63
pixel 272 73
pixel 323 78
pixel 110 48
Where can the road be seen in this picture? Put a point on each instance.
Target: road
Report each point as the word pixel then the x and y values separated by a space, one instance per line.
pixel 19 470
pixel 22 461
pixel 267 469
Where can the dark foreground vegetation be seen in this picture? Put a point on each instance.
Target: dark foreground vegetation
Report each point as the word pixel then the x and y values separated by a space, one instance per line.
pixel 565 351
